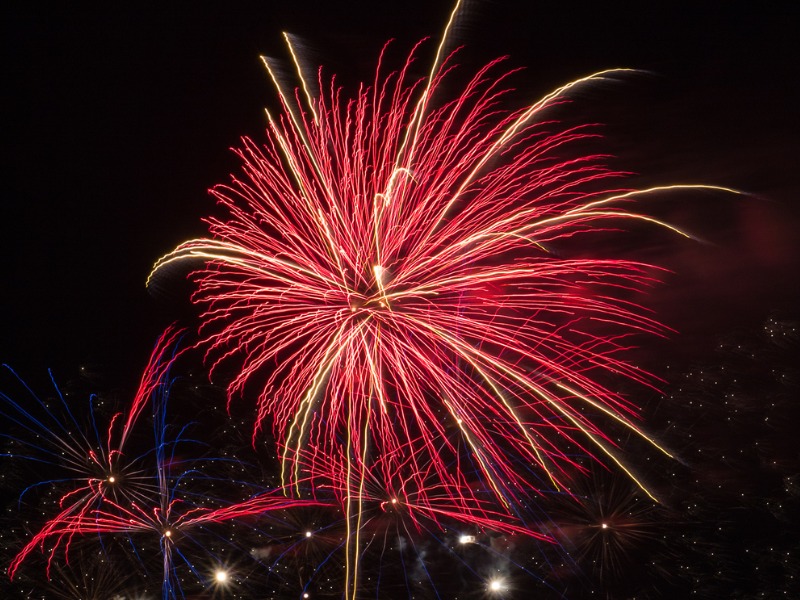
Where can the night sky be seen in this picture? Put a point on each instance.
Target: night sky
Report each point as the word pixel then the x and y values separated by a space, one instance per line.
pixel 118 120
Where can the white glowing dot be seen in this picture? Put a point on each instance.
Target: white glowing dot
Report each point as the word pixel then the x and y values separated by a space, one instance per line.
pixel 496 585
pixel 221 576
pixel 306 595
pixel 394 500
pixel 111 479
pixel 604 525
pixel 466 539
pixel 168 533
pixel 308 534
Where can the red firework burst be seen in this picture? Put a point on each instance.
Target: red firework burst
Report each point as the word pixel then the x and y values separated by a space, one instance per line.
pixel 385 280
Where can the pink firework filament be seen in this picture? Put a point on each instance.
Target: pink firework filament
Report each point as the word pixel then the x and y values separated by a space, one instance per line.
pixel 385 283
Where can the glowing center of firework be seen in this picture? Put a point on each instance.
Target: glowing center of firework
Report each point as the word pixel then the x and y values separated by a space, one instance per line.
pixel 221 576
pixel 375 297
pixel 394 500
pixel 168 533
pixel 496 585
pixel 111 479
pixel 308 534
pixel 604 526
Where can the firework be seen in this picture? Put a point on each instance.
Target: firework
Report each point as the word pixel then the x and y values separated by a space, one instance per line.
pixel 609 532
pixel 88 458
pixel 151 499
pixel 387 275
pixel 393 282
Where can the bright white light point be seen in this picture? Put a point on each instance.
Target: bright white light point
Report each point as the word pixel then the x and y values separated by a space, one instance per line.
pixel 168 533
pixel 306 595
pixel 308 534
pixel 221 576
pixel 496 585
pixel 466 539
pixel 378 270
pixel 604 525
pixel 111 479
pixel 394 500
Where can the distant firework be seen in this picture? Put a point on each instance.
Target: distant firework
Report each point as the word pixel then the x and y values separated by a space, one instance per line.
pixel 128 496
pixel 392 282
pixel 88 459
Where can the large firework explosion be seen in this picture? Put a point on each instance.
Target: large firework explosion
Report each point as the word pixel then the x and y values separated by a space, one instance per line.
pixel 394 283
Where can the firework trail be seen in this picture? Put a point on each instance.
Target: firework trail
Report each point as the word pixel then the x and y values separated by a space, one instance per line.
pixel 391 281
